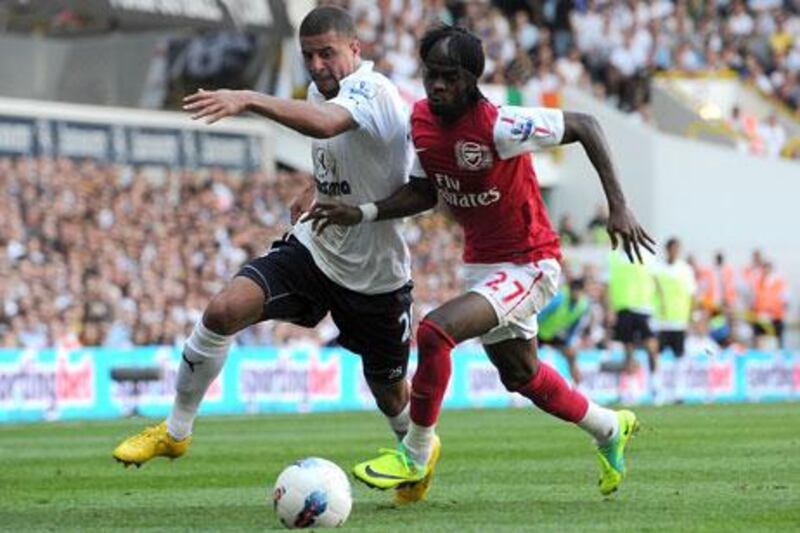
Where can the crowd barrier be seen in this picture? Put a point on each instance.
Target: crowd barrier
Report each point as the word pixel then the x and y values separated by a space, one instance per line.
pixel 38 385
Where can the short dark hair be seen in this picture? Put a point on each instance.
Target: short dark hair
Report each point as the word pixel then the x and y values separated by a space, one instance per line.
pixel 327 18
pixel 463 47
pixel 577 284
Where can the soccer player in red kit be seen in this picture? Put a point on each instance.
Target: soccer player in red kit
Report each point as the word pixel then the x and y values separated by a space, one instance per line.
pixel 476 155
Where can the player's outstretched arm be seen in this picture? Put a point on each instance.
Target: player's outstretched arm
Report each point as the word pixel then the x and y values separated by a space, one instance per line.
pixel 416 196
pixel 622 224
pixel 320 121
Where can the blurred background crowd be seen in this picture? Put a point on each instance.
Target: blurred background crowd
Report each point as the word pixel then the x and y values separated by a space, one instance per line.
pixel 611 47
pixel 95 254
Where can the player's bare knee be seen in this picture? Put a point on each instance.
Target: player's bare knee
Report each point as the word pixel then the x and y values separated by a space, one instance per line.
pixel 438 317
pixel 516 378
pixel 516 372
pixel 436 324
pixel 222 315
pixel 236 307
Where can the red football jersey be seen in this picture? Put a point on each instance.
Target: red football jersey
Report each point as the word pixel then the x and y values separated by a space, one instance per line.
pixel 482 169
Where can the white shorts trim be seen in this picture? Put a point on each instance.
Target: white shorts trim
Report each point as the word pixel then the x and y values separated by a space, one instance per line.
pixel 517 293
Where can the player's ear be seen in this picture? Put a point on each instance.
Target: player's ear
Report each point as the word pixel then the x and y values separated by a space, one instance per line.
pixel 355 46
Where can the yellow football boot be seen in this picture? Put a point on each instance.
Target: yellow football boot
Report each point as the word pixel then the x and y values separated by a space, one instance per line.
pixel 392 469
pixel 152 442
pixel 612 455
pixel 405 494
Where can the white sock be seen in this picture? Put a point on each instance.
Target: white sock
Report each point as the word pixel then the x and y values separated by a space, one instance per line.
pixel 681 377
pixel 600 423
pixel 203 357
pixel 419 443
pixel 657 386
pixel 399 422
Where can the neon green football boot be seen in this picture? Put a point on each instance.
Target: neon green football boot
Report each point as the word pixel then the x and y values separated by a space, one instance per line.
pixel 152 442
pixel 405 494
pixel 612 455
pixel 392 469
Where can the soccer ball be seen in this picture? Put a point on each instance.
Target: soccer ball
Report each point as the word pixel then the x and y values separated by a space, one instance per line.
pixel 312 492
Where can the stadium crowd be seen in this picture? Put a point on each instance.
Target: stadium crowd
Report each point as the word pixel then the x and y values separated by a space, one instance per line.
pixel 611 47
pixel 94 254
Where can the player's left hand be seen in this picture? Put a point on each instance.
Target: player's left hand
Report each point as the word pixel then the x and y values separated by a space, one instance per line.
pixel 323 214
pixel 301 203
pixel 622 225
pixel 215 105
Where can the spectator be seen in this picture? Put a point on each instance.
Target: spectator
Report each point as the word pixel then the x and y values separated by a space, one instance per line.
pixel 740 23
pixel 717 286
pixel 567 233
pixel 598 224
pixel 571 70
pixel 773 136
pixel 769 306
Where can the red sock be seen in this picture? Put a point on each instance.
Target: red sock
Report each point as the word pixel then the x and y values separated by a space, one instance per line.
pixel 433 373
pixel 552 394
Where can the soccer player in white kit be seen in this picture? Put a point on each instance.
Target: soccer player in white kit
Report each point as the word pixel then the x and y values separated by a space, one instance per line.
pixel 361 275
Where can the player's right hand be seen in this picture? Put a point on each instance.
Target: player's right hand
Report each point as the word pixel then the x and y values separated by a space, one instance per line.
pixel 215 105
pixel 323 214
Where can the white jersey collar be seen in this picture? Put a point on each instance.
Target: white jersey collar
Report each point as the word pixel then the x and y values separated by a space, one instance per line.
pixel 364 68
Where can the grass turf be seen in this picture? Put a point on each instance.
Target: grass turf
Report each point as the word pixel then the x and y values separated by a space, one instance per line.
pixel 709 468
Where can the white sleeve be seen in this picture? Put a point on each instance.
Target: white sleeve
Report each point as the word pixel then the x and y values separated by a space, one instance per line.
pixel 370 105
pixel 520 130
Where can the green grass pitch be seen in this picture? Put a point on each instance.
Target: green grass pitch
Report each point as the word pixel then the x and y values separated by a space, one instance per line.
pixel 691 468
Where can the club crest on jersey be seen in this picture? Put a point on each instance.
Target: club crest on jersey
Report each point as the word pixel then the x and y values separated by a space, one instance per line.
pixel 473 156
pixel 361 91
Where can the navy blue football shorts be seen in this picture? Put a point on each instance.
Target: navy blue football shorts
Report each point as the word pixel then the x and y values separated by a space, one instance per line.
pixel 375 326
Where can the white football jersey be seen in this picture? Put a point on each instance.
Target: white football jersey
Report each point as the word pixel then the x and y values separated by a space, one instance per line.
pixel 362 165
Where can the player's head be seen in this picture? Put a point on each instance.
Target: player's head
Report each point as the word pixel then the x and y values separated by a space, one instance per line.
pixel 673 249
pixel 331 50
pixel 576 287
pixel 453 63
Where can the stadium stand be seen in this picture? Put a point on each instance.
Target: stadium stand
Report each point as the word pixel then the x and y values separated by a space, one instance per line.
pixel 131 256
pixel 612 48
pixel 149 286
